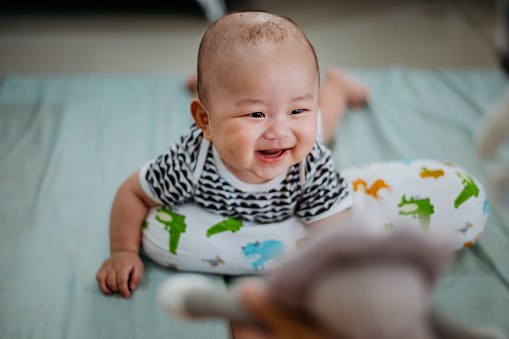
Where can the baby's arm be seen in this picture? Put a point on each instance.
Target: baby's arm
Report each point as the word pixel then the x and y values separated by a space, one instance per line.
pixel 123 270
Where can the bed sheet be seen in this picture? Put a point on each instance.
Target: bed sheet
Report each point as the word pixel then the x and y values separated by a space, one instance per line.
pixel 66 144
pixel 68 141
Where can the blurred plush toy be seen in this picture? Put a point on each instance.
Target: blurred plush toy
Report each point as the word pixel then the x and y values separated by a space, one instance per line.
pixel 350 282
pixel 372 286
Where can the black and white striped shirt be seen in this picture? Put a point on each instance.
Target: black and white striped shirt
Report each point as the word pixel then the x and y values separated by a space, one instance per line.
pixel 192 171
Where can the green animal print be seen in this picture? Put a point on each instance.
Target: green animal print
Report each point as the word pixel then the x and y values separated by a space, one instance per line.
pixel 174 223
pixel 228 224
pixel 420 208
pixel 470 189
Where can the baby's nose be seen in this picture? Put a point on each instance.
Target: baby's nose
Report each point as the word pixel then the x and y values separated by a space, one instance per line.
pixel 277 129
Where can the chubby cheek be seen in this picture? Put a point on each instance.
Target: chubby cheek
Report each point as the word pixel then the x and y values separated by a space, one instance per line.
pixel 238 146
pixel 307 137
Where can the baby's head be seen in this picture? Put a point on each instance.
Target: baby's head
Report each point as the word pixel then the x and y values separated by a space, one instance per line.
pixel 244 32
pixel 258 84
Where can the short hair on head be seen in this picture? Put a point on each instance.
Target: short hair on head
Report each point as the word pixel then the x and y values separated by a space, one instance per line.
pixel 240 30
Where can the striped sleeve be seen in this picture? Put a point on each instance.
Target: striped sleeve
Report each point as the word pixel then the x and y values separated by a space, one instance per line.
pixel 325 192
pixel 168 179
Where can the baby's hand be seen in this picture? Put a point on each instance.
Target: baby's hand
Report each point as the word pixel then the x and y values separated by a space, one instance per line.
pixel 120 272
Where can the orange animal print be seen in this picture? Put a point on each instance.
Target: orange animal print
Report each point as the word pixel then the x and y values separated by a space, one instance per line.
pixel 426 173
pixel 361 185
pixel 470 243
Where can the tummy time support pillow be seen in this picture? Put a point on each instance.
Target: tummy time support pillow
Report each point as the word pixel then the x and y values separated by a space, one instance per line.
pixel 422 194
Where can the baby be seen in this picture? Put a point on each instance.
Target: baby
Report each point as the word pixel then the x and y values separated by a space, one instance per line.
pixel 253 154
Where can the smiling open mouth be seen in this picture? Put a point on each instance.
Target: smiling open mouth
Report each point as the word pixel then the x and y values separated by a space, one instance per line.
pixel 272 156
pixel 273 153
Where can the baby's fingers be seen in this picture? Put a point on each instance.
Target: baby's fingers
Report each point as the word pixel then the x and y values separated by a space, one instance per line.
pixel 123 280
pixel 136 275
pixel 101 277
pixel 111 281
pixel 120 273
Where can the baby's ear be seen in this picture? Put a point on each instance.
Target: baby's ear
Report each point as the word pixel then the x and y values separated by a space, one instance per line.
pixel 201 117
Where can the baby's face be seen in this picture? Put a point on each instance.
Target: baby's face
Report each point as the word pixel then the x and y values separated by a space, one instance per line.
pixel 263 111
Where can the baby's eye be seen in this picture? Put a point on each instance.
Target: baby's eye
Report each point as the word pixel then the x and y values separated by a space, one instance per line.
pixel 297 111
pixel 256 115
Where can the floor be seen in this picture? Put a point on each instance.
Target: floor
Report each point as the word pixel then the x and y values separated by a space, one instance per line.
pixel 351 34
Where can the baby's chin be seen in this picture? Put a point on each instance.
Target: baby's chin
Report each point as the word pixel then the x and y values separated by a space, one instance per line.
pixel 264 176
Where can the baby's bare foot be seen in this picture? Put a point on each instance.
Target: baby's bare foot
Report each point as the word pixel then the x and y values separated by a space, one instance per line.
pixel 192 84
pixel 356 94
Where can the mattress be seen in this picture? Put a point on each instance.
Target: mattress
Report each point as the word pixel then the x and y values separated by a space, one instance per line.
pixel 68 141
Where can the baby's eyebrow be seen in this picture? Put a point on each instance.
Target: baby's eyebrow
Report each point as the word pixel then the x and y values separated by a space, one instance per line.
pixel 248 101
pixel 251 101
pixel 304 97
